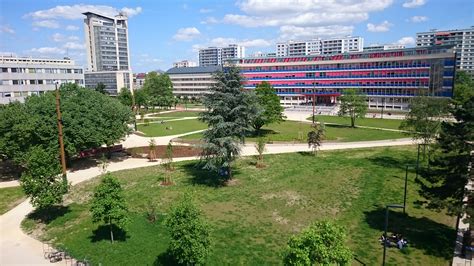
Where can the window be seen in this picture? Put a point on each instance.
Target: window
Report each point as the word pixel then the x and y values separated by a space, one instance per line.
pixel 32 81
pixel 40 81
pixel 15 82
pixel 4 70
pixel 14 70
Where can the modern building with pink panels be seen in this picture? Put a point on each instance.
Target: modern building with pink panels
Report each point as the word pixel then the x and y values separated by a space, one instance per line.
pixel 388 78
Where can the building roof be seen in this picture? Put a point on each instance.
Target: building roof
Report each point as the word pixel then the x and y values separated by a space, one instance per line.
pixel 194 70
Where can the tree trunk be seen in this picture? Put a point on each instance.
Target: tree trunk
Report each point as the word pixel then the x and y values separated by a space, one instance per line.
pixel 111 232
pixel 352 121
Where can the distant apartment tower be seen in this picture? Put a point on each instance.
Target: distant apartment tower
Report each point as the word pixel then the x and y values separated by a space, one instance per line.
pixel 184 63
pixel 25 76
pixel 108 55
pixel 320 46
pixel 383 47
pixel 462 40
pixel 216 56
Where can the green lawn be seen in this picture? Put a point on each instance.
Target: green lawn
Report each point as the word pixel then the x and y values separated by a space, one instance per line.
pixel 253 218
pixel 177 127
pixel 10 197
pixel 177 114
pixel 369 122
pixel 293 131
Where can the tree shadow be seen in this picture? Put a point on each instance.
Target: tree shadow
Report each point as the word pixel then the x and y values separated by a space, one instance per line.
pixel 393 162
pixel 307 153
pixel 49 214
pixel 165 258
pixel 9 170
pixel 434 238
pixel 102 232
pixel 261 133
pixel 205 177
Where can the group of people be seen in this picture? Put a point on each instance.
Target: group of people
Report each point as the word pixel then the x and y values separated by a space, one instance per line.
pixel 394 238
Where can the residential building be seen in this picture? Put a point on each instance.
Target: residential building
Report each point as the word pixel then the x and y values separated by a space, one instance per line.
pixel 215 56
pixel 383 47
pixel 26 76
pixel 192 81
pixel 185 63
pixel 320 46
pixel 138 80
pixel 108 55
pixel 462 40
pixel 389 78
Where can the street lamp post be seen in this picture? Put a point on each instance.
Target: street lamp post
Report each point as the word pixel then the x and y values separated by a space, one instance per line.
pixel 60 132
pixel 386 228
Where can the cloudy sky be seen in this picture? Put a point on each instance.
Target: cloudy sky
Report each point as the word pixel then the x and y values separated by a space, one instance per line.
pixel 161 32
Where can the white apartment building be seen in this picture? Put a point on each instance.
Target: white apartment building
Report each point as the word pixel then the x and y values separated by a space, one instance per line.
pixel 25 76
pixel 215 56
pixel 185 63
pixel 462 40
pixel 192 81
pixel 320 46
pixel 108 55
pixel 377 47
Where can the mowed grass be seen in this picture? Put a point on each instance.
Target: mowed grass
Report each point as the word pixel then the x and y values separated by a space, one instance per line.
pixel 368 122
pixel 252 219
pixel 298 132
pixel 174 127
pixel 177 114
pixel 10 197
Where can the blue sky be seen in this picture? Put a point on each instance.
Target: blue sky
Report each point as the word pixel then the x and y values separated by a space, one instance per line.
pixel 161 32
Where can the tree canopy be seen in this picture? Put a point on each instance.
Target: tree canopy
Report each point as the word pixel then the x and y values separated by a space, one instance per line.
pixel 352 105
pixel 463 87
pixel 270 102
pixel 159 88
pixel 125 97
pixel 322 243
pixel 90 119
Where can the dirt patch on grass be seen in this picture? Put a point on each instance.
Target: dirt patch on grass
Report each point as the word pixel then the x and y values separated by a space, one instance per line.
pixel 291 198
pixel 160 151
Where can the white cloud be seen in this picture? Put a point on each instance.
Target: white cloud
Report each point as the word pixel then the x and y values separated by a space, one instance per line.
pixel 414 3
pixel 186 34
pixel 298 33
pixel 74 46
pixel 407 41
pixel 75 11
pixel 382 27
pixel 72 27
pixel 51 24
pixel 210 20
pixel 58 37
pixel 205 10
pixel 6 29
pixel 418 19
pixel 47 50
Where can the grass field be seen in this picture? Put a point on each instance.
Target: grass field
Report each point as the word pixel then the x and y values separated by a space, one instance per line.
pixel 10 197
pixel 297 131
pixel 252 219
pixel 177 127
pixel 178 114
pixel 368 122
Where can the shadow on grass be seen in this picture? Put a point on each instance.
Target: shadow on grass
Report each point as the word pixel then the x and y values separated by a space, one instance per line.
pixel 165 258
pixel 49 214
pixel 103 233
pixel 205 177
pixel 394 162
pixel 261 133
pixel 433 238
pixel 307 153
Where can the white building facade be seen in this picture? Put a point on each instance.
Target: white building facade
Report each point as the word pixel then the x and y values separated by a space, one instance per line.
pixel 108 55
pixel 216 56
pixel 192 81
pixel 21 76
pixel 185 63
pixel 320 46
pixel 462 40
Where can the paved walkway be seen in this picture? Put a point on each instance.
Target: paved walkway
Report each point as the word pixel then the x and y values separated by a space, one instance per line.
pixel 17 248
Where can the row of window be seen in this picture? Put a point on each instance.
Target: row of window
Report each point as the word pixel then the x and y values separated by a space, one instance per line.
pixel 41 70
pixel 38 81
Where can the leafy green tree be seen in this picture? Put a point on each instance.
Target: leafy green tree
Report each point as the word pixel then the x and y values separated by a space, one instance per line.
pixel 168 160
pixel 142 99
pixel 125 97
pixel 101 88
pixel 352 105
pixel 42 180
pixel 270 102
pixel 322 243
pixel 315 137
pixel 108 204
pixel 260 147
pixel 444 184
pixel 159 88
pixel 424 119
pixel 190 234
pixel 90 120
pixel 228 114
pixel 463 87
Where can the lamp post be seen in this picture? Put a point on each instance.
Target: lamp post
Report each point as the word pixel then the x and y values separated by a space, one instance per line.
pixel 386 227
pixel 406 184
pixel 60 132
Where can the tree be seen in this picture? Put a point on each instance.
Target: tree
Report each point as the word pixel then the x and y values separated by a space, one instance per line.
pixel 463 87
pixel 190 236
pixel 322 243
pixel 353 105
pixel 90 120
pixel 108 204
pixel 270 102
pixel 159 88
pixel 424 119
pixel 125 97
pixel 444 184
pixel 101 88
pixel 152 150
pixel 228 114
pixel 168 160
pixel 315 137
pixel 142 98
pixel 260 147
pixel 42 180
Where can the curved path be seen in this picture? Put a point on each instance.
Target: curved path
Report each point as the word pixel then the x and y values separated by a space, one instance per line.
pixel 17 248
